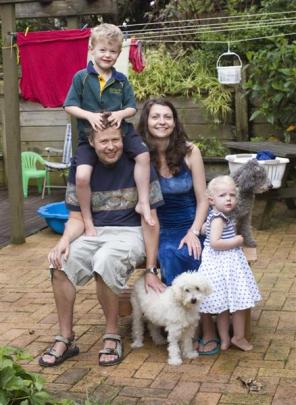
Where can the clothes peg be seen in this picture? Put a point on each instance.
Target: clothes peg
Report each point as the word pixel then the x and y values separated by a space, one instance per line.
pixel 11 44
pixel 125 33
pixel 27 30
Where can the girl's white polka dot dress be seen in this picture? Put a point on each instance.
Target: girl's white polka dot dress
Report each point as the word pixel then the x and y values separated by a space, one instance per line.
pixel 233 283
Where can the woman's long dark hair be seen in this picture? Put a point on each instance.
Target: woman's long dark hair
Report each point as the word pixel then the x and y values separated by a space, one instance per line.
pixel 178 146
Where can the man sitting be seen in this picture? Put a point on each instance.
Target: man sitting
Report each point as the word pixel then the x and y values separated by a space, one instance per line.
pixel 111 255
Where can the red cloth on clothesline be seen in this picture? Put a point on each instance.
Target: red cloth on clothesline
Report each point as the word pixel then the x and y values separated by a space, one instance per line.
pixel 136 55
pixel 49 60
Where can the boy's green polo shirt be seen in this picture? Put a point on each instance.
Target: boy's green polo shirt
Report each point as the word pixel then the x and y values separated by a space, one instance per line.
pixel 85 93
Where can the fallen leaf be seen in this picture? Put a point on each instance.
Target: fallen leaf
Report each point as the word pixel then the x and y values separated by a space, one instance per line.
pixel 251 384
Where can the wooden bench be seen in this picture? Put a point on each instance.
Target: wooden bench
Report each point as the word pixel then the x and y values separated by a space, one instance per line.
pixel 125 308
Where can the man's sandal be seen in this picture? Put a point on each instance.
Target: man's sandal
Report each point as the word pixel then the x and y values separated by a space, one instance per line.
pixel 117 351
pixel 70 351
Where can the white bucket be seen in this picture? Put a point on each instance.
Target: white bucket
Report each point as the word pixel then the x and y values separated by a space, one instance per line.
pixel 229 74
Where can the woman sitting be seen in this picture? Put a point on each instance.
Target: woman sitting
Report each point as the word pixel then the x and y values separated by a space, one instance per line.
pixel 182 180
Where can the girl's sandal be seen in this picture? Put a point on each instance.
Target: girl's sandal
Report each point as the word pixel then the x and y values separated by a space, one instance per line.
pixel 70 351
pixel 117 351
pixel 215 350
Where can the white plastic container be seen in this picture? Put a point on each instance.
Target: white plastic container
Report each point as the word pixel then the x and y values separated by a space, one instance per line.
pixel 229 74
pixel 275 168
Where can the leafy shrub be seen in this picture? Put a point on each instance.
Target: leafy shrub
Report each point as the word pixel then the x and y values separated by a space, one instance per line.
pixel 21 387
pixel 272 83
pixel 17 385
pixel 180 10
pixel 186 74
pixel 272 63
pixel 211 147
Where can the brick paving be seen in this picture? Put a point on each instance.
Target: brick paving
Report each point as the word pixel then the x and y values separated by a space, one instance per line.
pixel 28 320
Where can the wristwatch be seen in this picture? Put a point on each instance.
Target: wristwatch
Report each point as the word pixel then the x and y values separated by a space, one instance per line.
pixel 153 270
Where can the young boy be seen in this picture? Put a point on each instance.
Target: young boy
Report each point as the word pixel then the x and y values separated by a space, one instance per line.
pixel 96 91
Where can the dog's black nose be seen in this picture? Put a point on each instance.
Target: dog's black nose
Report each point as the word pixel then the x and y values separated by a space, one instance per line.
pixel 193 300
pixel 270 187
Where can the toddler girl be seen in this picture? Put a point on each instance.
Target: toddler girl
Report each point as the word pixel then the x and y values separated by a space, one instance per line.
pixel 226 267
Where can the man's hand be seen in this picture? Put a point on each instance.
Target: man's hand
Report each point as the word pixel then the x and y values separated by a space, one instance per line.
pixel 56 254
pixel 74 228
pixel 152 281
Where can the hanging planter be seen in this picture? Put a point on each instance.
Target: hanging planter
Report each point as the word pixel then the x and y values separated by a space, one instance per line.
pixel 229 74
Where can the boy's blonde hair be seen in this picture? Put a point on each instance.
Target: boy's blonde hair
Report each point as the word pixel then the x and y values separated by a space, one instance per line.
pixel 108 32
pixel 216 181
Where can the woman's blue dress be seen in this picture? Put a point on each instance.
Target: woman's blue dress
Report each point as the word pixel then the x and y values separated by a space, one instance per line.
pixel 176 217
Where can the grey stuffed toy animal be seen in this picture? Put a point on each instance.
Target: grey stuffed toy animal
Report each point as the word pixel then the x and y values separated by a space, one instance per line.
pixel 251 179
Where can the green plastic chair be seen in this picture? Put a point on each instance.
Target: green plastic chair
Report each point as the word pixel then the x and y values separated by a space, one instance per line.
pixel 31 162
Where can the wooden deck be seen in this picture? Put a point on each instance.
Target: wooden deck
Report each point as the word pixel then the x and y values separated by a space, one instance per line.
pixel 33 223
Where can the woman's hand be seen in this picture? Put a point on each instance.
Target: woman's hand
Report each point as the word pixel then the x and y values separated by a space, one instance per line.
pixel 193 244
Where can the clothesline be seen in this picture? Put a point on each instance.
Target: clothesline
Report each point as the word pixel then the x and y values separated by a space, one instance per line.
pixel 217 41
pixel 125 24
pixel 209 30
pixel 248 25
pixel 150 34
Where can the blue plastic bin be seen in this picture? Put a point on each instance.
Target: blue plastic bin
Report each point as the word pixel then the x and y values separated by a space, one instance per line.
pixel 56 215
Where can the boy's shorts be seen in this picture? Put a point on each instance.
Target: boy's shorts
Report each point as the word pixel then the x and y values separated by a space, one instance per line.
pixel 113 254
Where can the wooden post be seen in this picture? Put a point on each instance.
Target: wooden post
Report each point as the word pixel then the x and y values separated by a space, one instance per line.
pixel 73 22
pixel 241 111
pixel 11 127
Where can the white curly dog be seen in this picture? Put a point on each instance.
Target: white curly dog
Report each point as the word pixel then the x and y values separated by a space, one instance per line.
pixel 176 309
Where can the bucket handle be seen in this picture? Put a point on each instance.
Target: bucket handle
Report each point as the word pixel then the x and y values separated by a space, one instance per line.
pixel 228 53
